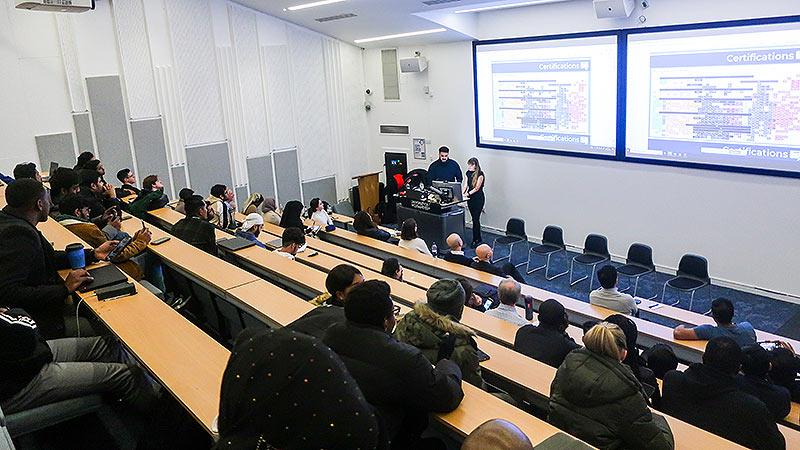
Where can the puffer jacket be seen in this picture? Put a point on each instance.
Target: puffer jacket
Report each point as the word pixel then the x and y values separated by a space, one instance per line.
pixel 599 401
pixel 95 237
pixel 426 329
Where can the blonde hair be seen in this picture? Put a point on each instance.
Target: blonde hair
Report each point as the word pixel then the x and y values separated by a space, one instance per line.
pixel 605 339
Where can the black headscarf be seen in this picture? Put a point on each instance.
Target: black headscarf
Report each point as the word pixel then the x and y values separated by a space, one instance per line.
pixel 291 215
pixel 288 391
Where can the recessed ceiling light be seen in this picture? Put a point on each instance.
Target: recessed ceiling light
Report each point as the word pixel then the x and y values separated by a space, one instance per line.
pixel 311 5
pixel 401 35
pixel 508 5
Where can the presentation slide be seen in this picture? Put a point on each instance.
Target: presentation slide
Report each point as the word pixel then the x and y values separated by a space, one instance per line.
pixel 553 95
pixel 725 96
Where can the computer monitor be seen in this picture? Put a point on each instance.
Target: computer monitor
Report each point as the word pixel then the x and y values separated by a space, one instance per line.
pixel 454 186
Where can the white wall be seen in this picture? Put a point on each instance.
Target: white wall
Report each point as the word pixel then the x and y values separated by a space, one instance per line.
pixel 746 225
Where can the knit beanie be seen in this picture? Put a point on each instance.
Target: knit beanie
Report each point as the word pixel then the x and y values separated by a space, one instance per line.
pixel 446 297
pixel 551 312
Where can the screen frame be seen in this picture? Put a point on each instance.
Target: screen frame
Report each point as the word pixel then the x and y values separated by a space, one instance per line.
pixel 622 97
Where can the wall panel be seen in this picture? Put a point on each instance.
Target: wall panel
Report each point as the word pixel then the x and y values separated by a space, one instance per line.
pixel 110 122
pixel 134 52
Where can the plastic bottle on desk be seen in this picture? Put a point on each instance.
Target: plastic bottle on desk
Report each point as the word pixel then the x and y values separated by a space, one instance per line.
pixel 434 250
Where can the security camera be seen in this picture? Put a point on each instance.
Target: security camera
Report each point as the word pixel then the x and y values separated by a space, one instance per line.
pixel 369 91
pixel 367 106
pixel 645 4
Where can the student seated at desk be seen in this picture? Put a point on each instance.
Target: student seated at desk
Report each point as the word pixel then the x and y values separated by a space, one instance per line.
pixel 63 182
pixel 83 158
pixel 483 262
pixel 497 434
pixel 150 198
pixel 292 215
pixel 785 369
pixel 456 253
pixel 222 207
pixel 634 361
pixel 292 241
pixel 409 238
pixel 608 296
pixel 431 323
pixel 317 213
pixel 339 282
pixel 509 293
pixel 252 203
pixel 392 269
pixel 269 209
pixel 395 377
pixel 251 228
pixel 755 381
pixel 364 226
pixel 597 399
pixel 128 183
pixel 706 395
pixel 99 196
pixel 29 265
pixel 27 170
pixel 35 372
pixel 722 313
pixel 195 227
pixel 547 342
pixel 284 390
pixel 183 195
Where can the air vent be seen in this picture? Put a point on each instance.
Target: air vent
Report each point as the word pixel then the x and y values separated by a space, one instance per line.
pixel 395 129
pixel 337 17
pixel 439 2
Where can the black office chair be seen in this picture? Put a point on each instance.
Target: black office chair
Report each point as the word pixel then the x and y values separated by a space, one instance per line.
pixel 515 233
pixel 692 275
pixel 595 251
pixel 638 264
pixel 552 242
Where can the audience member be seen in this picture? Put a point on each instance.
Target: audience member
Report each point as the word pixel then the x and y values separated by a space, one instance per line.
pixel 547 342
pixel 706 395
pixel 317 213
pixel 633 360
pixel 409 238
pixel 291 216
pixel 363 224
pixel 785 368
pixel 97 166
pixel 63 182
pixel 755 381
pixel 339 282
pixel 431 324
pixel 221 199
pixel 660 359
pixel 151 197
pixel 100 197
pixel 497 434
pixel 252 203
pixel 456 253
pixel 29 265
pixel 27 170
pixel 608 296
pixel 280 411
pixel 251 228
pixel 183 195
pixel 395 377
pixel 392 268
pixel 83 158
pixel 483 262
pixel 471 299
pixel 509 292
pixel 195 227
pixel 270 211
pixel 35 372
pixel 597 399
pixel 722 313
pixel 292 241
pixel 128 186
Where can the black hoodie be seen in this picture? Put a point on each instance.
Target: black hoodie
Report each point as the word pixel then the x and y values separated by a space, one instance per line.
pixel 710 399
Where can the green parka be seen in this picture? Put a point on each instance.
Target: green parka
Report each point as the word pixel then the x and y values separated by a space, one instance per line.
pixel 598 400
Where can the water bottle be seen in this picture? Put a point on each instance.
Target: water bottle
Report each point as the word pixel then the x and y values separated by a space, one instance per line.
pixel 434 250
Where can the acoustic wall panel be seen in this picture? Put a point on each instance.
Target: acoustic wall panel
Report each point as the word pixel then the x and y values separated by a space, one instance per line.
pixel 110 122
pixel 179 178
pixel 55 147
pixel 279 96
pixel 232 112
pixel 260 174
pixel 151 152
pixel 287 176
pixel 208 165
pixel 324 188
pixel 134 51
pixel 69 57
pixel 241 195
pixel 192 39
pixel 83 132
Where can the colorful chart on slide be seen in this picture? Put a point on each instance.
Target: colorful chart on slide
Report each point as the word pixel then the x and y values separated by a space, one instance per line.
pixel 717 107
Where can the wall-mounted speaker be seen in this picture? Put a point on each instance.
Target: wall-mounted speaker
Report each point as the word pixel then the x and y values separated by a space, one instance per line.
pixel 613 9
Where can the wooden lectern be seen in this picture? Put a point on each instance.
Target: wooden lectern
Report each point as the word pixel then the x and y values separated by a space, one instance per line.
pixel 368 190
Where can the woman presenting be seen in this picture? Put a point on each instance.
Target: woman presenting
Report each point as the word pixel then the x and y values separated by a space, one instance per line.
pixel 474 190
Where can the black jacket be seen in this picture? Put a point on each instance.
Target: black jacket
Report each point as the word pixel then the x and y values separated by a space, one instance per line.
pixel 317 321
pixel 711 400
pixel 487 267
pixel 197 232
pixel 377 233
pixel 458 259
pixel 776 398
pixel 544 344
pixel 395 377
pixel 97 205
pixel 23 353
pixel 29 273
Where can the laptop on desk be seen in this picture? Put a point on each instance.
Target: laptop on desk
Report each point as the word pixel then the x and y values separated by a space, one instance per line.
pixel 105 276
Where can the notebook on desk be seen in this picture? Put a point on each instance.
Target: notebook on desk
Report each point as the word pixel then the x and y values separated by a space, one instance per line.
pixel 104 276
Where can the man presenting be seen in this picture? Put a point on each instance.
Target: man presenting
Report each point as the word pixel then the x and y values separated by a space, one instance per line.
pixel 445 169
